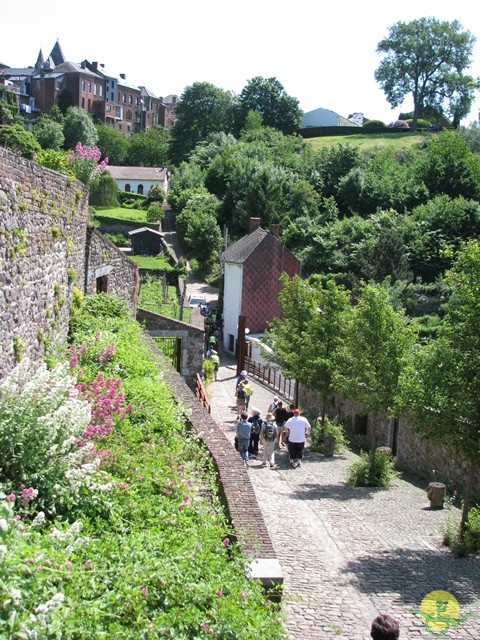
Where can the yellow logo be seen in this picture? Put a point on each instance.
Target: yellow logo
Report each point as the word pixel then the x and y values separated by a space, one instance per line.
pixel 441 612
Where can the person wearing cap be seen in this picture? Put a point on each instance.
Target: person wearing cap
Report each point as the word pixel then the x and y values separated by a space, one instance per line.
pixel 273 405
pixel 298 429
pixel 240 378
pixel 269 440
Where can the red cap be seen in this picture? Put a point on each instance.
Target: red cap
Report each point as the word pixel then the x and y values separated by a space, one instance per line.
pixel 296 412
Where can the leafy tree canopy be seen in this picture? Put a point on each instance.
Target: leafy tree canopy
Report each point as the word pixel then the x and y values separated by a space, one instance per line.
pixel 148 148
pixel 427 59
pixel 79 127
pixel 112 143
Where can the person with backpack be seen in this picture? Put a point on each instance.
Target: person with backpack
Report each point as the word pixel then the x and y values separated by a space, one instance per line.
pixel 281 416
pixel 241 395
pixel 256 422
pixel 269 439
pixel 249 391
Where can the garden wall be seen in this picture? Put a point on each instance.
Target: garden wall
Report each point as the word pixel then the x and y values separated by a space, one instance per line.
pixel 45 251
pixel 427 459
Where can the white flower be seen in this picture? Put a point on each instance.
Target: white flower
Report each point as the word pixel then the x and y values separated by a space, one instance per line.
pixel 3 525
pixel 39 519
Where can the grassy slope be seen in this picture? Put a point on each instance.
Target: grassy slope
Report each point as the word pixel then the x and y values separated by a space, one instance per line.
pixel 372 140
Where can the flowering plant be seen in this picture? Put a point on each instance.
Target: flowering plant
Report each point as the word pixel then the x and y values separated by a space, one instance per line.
pixel 86 163
pixel 399 124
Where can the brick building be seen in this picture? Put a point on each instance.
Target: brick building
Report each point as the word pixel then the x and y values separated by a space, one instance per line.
pixel 252 267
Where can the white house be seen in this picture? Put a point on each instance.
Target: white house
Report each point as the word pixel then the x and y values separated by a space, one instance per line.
pixel 325 118
pixel 140 179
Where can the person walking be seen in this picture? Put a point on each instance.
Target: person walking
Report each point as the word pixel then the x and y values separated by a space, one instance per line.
pixel 269 439
pixel 240 378
pixel 215 358
pixel 273 405
pixel 243 436
pixel 256 422
pixel 241 395
pixel 281 415
pixel 297 429
pixel 249 391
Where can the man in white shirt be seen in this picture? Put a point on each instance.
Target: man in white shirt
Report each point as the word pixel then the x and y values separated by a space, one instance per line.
pixel 298 429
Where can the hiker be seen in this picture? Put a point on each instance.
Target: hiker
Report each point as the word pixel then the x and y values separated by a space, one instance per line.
pixel 214 357
pixel 273 405
pixel 256 422
pixel 298 429
pixel 243 436
pixel 242 376
pixel 269 439
pixel 281 415
pixel 249 391
pixel 241 396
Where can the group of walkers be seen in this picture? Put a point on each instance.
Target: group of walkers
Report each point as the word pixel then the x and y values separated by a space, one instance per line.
pixel 281 427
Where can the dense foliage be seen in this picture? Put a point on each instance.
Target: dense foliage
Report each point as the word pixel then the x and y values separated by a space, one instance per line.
pixel 110 523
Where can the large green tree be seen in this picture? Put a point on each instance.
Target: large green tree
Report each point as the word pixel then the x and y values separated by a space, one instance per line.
pixel 148 148
pixel 202 109
pixel 427 58
pixel 378 341
pixel 49 133
pixel 267 97
pixel 112 143
pixel 308 336
pixel 441 386
pixel 78 127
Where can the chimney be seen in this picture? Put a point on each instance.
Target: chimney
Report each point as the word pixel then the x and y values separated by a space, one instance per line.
pixel 122 76
pixel 254 222
pixel 275 230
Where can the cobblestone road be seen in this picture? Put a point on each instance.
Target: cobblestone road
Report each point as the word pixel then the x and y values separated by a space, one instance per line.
pixel 347 553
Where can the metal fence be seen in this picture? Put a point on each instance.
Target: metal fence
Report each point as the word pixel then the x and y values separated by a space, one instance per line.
pixel 271 377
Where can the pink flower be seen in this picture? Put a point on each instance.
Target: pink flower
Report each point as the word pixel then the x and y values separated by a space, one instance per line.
pixel 219 593
pixel 243 596
pixel 144 591
pixel 68 564
pixel 12 497
pixel 28 495
pixel 226 542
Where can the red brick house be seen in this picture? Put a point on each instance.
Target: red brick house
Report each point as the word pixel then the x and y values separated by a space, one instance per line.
pixel 252 267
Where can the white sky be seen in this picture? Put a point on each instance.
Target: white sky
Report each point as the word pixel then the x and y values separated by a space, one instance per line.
pixel 323 53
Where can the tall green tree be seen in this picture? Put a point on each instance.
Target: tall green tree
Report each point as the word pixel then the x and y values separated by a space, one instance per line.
pixel 112 143
pixel 378 341
pixel 440 389
pixel 267 97
pixel 78 127
pixel 426 58
pixel 308 336
pixel 149 148
pixel 202 109
pixel 49 133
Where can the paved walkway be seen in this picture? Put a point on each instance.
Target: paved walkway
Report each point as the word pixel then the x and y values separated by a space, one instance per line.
pixel 350 553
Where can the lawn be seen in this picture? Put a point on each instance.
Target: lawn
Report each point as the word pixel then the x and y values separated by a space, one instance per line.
pixel 154 263
pixel 372 140
pixel 122 213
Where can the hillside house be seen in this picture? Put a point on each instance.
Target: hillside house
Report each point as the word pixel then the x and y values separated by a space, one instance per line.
pixel 325 118
pixel 252 267
pixel 140 179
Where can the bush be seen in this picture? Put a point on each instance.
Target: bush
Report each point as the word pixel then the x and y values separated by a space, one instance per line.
pixel 155 212
pixel 374 469
pixel 373 123
pixel 329 428
pixel 104 191
pixel 120 239
pixel 469 543
pixel 399 124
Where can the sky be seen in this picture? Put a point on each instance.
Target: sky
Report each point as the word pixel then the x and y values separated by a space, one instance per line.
pixel 323 53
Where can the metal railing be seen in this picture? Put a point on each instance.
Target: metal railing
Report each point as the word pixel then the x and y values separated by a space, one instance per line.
pixel 201 393
pixel 271 377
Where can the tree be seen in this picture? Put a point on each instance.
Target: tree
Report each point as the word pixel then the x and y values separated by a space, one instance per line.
pixel 268 97
pixel 49 133
pixel 201 110
pixel 440 388
pixel 112 143
pixel 148 148
pixel 377 343
pixel 79 127
pixel 427 58
pixel 307 338
pixel 16 138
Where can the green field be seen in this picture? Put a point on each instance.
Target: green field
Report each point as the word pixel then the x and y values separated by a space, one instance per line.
pixel 121 213
pixel 372 140
pixel 155 263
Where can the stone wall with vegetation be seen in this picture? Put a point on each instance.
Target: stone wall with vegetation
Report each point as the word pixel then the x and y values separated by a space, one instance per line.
pixel 425 458
pixel 43 224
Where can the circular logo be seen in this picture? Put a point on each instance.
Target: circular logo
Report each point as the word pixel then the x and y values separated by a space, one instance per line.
pixel 440 609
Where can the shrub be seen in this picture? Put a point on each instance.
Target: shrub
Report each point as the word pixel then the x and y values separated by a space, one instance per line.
pixel 469 542
pixel 399 124
pixel 155 212
pixel 374 124
pixel 374 469
pixel 208 371
pixel 329 428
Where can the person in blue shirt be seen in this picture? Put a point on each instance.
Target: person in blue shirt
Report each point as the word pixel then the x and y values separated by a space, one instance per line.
pixel 243 435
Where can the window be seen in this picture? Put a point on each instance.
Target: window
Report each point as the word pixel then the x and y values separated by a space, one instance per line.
pixel 102 284
pixel 140 189
pixel 89 104
pixel 83 102
pixel 95 89
pixel 127 188
pixel 100 90
pixel 124 97
pixel 83 85
pixel 108 107
pixel 89 87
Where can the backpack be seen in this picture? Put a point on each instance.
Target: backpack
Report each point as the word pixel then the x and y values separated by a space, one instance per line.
pixel 241 393
pixel 269 433
pixel 256 425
